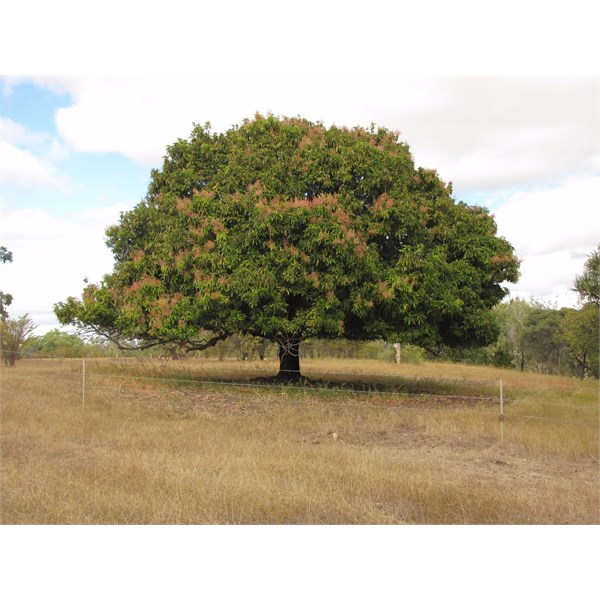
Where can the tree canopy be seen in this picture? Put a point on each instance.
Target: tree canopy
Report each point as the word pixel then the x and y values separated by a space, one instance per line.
pixel 580 329
pixel 286 229
pixel 587 285
pixel 13 334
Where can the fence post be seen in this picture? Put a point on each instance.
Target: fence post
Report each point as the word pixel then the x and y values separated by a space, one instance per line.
pixel 83 387
pixel 501 417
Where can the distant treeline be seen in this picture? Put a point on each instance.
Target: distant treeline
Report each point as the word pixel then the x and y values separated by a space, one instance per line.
pixel 532 336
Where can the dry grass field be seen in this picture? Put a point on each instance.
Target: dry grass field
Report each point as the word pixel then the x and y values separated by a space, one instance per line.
pixel 203 442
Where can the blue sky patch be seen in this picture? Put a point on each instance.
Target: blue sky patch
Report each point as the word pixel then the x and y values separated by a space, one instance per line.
pixel 31 105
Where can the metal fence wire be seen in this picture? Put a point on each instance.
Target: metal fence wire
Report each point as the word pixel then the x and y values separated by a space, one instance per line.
pixel 89 375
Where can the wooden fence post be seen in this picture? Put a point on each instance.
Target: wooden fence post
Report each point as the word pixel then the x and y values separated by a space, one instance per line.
pixel 83 387
pixel 501 417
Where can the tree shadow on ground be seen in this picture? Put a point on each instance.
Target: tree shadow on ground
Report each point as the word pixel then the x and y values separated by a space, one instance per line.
pixel 413 387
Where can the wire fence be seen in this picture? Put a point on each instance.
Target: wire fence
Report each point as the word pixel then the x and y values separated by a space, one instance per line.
pixel 91 375
pixel 507 378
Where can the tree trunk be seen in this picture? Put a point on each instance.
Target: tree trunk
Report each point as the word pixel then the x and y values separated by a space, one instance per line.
pixel 262 348
pixel 289 359
pixel 174 351
pixel 398 348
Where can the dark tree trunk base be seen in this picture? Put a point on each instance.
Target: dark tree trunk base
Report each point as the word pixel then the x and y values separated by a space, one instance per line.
pixel 279 380
pixel 289 362
pixel 288 377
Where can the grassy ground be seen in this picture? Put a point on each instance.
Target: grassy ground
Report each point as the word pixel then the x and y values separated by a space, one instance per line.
pixel 159 443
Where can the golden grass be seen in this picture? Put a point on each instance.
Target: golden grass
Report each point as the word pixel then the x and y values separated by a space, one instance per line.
pixel 156 445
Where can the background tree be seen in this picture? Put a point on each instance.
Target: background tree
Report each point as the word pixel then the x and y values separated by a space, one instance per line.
pixel 287 230
pixel 5 299
pixel 13 334
pixel 540 343
pixel 512 317
pixel 587 285
pixel 56 343
pixel 59 344
pixel 580 330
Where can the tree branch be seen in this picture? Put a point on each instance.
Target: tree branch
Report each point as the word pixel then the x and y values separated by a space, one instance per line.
pixel 190 346
pixel 114 337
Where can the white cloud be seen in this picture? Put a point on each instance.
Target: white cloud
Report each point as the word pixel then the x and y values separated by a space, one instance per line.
pixel 549 275
pixel 28 158
pixel 548 220
pixel 58 85
pixel 14 133
pixel 136 117
pixel 553 231
pixel 488 133
pixel 481 133
pixel 22 169
pixel 108 215
pixel 51 257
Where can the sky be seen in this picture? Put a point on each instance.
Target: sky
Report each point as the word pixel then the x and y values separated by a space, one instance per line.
pixel 77 151
pixel 502 102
